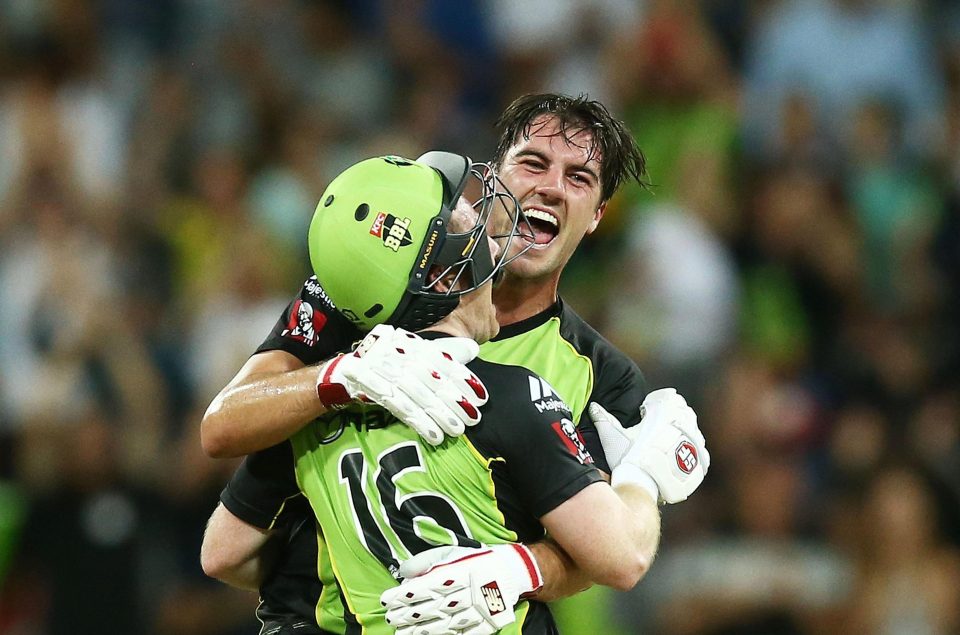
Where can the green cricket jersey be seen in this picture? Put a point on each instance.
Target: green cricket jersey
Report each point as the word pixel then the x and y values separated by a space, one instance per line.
pixel 577 364
pixel 382 494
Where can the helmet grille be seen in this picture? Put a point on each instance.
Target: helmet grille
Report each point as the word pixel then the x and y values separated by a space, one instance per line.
pixel 417 312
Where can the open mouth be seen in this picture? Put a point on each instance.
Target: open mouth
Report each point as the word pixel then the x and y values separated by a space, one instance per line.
pixel 544 224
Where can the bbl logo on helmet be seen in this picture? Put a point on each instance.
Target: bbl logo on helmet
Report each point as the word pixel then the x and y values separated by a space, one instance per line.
pixel 393 231
pixel 686 457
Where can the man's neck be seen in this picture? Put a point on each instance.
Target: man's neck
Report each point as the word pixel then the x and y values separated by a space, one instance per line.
pixel 457 325
pixel 518 299
pixel 449 327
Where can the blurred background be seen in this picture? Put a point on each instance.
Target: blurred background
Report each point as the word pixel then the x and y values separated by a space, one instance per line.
pixel 795 272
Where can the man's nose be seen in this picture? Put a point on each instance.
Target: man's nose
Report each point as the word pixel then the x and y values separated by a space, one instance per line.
pixel 550 183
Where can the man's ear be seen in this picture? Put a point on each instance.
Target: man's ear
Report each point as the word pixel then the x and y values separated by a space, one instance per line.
pixel 597 215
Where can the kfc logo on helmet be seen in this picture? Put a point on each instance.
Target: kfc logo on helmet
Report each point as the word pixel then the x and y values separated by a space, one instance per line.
pixel 572 439
pixel 377 228
pixel 393 231
pixel 686 457
pixel 304 323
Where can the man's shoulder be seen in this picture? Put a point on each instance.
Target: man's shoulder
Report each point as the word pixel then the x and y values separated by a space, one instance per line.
pixel 506 376
pixel 516 391
pixel 589 342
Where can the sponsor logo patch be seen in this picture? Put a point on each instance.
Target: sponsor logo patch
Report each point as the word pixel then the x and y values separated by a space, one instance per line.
pixel 304 323
pixel 393 231
pixel 572 439
pixel 428 249
pixel 687 458
pixel 315 289
pixel 377 228
pixel 493 598
pixel 544 397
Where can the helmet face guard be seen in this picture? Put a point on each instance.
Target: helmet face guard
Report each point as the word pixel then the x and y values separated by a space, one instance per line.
pixel 462 260
pixel 411 204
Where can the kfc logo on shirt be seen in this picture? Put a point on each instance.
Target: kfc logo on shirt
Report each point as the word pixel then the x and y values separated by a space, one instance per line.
pixel 304 323
pixel 571 438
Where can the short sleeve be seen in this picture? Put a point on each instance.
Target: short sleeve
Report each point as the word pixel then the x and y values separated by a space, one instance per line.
pixel 310 328
pixel 260 489
pixel 620 388
pixel 544 454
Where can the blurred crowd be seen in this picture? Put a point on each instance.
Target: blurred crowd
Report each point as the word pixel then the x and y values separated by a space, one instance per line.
pixel 794 271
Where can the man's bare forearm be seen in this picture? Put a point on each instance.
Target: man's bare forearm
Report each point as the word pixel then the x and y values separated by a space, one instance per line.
pixel 611 534
pixel 270 399
pixel 644 531
pixel 233 551
pixel 561 575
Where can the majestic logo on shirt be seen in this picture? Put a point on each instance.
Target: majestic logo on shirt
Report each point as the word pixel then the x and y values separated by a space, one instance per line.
pixel 572 439
pixel 493 598
pixel 544 397
pixel 304 323
pixel 686 457
pixel 314 288
pixel 393 231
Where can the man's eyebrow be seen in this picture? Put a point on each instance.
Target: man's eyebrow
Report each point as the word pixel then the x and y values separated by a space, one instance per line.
pixel 532 153
pixel 580 167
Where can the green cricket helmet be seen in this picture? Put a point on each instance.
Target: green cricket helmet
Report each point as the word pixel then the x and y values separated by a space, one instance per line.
pixel 380 238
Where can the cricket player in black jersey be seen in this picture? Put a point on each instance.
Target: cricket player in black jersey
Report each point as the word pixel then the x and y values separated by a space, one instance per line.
pixel 564 157
pixel 382 494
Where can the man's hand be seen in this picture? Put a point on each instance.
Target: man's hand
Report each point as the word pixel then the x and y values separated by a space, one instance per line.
pixel 424 383
pixel 665 453
pixel 461 590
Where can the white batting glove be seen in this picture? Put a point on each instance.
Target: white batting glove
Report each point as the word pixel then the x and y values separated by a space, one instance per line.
pixel 461 590
pixel 665 453
pixel 424 383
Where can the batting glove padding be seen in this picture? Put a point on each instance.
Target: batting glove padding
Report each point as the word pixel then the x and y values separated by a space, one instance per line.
pixel 461 590
pixel 424 383
pixel 665 453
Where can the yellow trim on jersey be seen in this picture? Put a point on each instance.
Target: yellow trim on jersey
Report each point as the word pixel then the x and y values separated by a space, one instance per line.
pixel 345 593
pixel 554 367
pixel 336 623
pixel 483 460
pixel 491 486
pixel 273 521
pixel 521 616
pixel 589 361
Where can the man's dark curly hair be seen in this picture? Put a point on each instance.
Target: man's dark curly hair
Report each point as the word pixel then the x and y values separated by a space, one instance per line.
pixel 620 156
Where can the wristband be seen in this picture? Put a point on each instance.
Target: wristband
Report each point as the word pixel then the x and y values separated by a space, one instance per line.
pixel 629 474
pixel 536 578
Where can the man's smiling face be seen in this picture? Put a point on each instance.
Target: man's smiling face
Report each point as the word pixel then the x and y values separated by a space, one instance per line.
pixel 556 178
